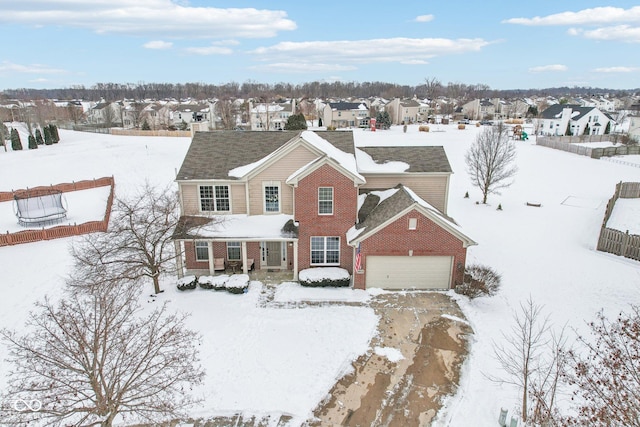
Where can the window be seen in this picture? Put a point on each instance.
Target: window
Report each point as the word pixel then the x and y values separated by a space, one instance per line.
pixel 233 251
pixel 325 250
pixel 214 198
pixel 202 251
pixel 413 223
pixel 271 197
pixel 325 201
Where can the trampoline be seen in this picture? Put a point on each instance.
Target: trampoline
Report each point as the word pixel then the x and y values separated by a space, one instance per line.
pixel 39 206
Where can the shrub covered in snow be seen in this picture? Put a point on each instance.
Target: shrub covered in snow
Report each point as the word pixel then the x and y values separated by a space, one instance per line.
pixel 237 283
pixel 187 282
pixel 324 276
pixel 479 280
pixel 213 282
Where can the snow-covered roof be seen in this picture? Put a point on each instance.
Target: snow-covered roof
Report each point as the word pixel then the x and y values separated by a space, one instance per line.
pixel 241 226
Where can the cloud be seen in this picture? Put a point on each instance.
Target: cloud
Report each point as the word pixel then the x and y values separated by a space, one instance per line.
pixel 158 44
pixel 617 70
pixel 623 33
pixel 148 17
pixel 424 18
pixel 546 68
pixel 9 67
pixel 594 16
pixel 414 62
pixel 405 50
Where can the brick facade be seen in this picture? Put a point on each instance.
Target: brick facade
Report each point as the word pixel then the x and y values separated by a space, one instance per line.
pixel 345 205
pixel 427 239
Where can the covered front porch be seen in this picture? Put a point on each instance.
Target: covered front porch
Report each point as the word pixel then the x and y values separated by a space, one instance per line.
pixel 232 244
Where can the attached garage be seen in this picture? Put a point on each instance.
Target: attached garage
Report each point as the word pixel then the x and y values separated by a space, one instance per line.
pixel 405 272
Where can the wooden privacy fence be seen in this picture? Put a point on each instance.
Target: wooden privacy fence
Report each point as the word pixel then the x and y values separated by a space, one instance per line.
pixel 58 232
pixel 568 143
pixel 137 132
pixel 615 241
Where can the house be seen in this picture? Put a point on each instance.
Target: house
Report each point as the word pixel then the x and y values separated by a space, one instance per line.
pixel 271 116
pixel 183 115
pixel 403 111
pixel 479 109
pixel 296 200
pixel 107 114
pixel 345 115
pixel 563 119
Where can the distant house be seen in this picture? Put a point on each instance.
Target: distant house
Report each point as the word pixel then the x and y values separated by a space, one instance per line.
pixel 271 116
pixel 106 114
pixel 479 109
pixel 182 115
pixel 563 119
pixel 346 115
pixel 296 200
pixel 403 111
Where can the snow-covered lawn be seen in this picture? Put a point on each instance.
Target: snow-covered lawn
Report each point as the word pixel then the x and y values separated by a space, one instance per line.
pixel 282 360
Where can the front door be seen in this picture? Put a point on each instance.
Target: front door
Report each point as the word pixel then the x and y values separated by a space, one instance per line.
pixel 274 254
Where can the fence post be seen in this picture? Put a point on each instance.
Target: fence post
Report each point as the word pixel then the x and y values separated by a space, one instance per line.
pixel 624 244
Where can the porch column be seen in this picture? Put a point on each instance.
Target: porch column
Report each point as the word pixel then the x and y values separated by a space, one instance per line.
pixel 295 260
pixel 211 261
pixel 245 267
pixel 179 265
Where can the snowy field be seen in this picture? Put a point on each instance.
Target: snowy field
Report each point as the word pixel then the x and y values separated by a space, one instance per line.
pixel 265 360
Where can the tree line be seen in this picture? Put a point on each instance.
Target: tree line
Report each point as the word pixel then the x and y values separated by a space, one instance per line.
pixel 430 88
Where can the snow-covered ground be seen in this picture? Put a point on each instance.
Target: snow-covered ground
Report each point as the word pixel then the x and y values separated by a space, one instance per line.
pixel 266 360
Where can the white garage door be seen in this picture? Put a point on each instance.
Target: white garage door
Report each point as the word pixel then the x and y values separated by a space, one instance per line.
pixel 405 272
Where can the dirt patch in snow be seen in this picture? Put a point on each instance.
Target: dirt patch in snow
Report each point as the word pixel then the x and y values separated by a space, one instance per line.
pixel 410 391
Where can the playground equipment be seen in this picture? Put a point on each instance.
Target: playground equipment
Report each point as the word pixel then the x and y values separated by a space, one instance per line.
pixel 519 133
pixel 39 206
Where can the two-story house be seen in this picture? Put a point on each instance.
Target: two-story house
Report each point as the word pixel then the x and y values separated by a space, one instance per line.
pixel 346 115
pixel 559 118
pixel 297 200
pixel 271 116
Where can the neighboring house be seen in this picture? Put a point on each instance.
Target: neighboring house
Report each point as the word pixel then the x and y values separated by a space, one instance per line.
pixel 158 115
pixel 271 116
pixel 106 114
pixel 559 118
pixel 296 200
pixel 345 115
pixel 479 109
pixel 403 111
pixel 183 115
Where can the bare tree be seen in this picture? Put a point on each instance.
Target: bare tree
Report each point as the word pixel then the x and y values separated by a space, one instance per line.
pixel 490 160
pixel 138 242
pixel 93 357
pixel 520 354
pixel 548 383
pixel 225 109
pixel 109 115
pixel 608 374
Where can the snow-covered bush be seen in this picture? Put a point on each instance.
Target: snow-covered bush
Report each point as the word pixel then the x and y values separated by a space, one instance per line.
pixel 237 283
pixel 187 282
pixel 324 276
pixel 213 282
pixel 479 280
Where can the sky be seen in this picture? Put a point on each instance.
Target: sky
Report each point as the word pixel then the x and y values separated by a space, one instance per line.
pixel 502 44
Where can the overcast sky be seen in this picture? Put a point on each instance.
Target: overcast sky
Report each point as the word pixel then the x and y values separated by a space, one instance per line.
pixel 504 44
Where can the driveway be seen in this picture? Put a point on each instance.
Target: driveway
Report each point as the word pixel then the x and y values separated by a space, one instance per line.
pixel 430 331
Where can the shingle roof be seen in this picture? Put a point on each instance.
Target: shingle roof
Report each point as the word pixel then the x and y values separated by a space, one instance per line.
pixel 342 106
pixel 419 159
pixel 555 110
pixel 212 155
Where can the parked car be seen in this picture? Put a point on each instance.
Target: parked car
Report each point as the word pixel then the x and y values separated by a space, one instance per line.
pixel 463 122
pixel 486 122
